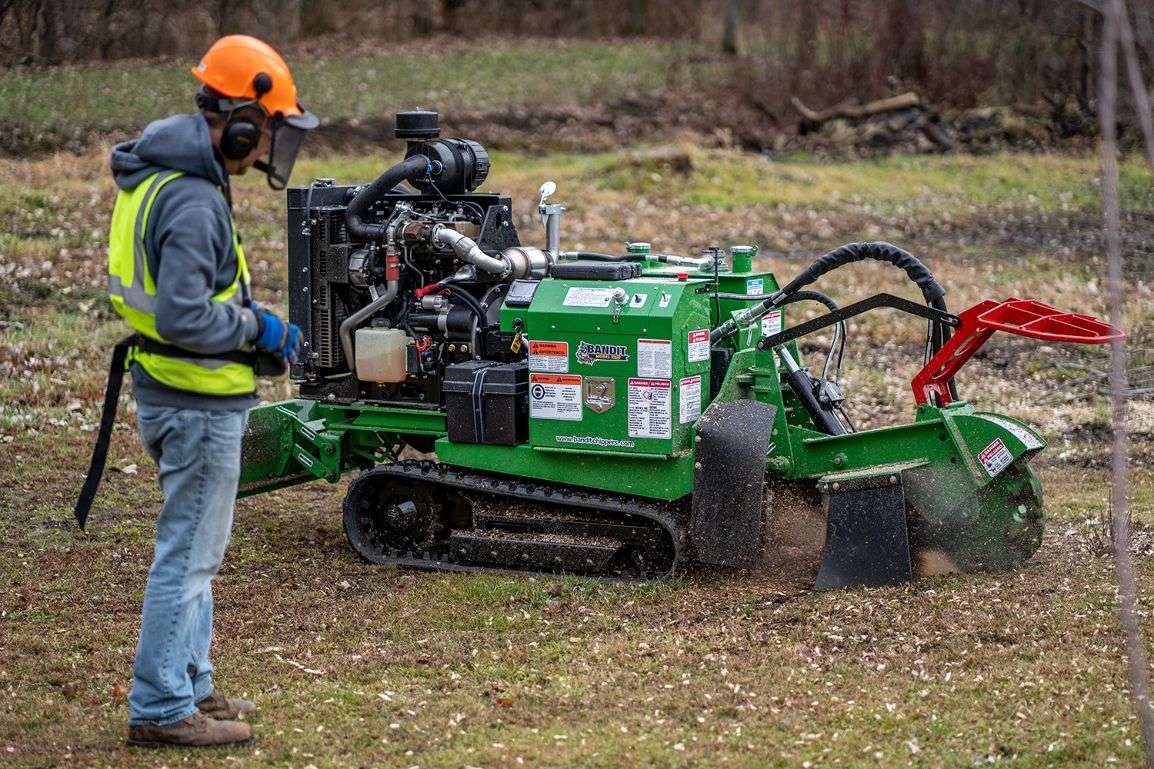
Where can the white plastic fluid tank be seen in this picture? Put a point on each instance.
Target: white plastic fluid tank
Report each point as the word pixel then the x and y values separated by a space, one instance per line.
pixel 381 354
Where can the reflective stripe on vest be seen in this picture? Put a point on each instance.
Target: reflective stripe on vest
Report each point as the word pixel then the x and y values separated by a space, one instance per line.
pixel 132 290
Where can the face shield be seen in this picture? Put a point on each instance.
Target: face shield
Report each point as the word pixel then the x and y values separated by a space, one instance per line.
pixel 287 135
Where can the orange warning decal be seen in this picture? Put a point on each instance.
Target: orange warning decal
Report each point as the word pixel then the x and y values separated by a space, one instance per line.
pixel 549 348
pixel 555 379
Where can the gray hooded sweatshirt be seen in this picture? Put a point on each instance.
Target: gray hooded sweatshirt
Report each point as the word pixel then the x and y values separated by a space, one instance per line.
pixel 190 252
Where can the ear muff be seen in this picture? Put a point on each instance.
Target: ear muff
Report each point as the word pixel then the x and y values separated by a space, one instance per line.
pixel 241 135
pixel 239 139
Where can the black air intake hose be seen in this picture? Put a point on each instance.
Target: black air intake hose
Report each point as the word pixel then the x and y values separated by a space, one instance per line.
pixel 413 167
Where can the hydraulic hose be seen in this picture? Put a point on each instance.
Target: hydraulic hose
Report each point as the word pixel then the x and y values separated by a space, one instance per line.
pixel 410 168
pixel 931 290
pixel 839 334
pixel 881 251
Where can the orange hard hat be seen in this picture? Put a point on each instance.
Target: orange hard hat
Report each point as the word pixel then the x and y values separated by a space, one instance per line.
pixel 243 68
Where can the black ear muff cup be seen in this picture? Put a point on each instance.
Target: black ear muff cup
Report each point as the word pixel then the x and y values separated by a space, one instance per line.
pixel 239 139
pixel 241 135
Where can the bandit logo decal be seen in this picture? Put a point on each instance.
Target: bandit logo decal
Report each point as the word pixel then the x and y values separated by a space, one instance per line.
pixel 589 353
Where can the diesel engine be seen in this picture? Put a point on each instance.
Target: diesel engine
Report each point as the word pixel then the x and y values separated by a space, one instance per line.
pixel 392 284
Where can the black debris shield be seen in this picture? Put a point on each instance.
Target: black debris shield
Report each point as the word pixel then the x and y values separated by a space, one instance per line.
pixel 729 482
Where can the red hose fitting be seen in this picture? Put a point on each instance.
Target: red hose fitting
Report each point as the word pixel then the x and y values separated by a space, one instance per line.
pixel 392 264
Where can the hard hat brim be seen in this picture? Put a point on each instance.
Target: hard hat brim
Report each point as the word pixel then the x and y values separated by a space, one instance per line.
pixel 305 121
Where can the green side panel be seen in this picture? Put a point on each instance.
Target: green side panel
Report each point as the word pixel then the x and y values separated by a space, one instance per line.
pixel 655 477
pixel 619 378
pixel 757 283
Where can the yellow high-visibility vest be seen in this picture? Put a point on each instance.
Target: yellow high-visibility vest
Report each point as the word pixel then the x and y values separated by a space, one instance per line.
pixel 132 290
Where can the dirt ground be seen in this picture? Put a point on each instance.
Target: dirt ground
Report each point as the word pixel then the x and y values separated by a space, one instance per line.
pixel 360 666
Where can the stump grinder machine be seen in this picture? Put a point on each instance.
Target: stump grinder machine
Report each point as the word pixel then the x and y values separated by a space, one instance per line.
pixel 621 415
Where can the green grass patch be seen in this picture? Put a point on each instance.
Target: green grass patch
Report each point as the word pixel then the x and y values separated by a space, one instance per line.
pixel 957 184
pixel 129 94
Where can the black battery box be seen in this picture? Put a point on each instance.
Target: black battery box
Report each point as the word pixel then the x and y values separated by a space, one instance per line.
pixel 487 402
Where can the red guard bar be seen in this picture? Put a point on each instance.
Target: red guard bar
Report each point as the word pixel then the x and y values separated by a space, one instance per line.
pixel 1024 317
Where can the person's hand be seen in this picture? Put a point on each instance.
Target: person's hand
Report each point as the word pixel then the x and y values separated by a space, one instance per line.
pixel 275 336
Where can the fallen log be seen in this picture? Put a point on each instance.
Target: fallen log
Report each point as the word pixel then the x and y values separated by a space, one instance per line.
pixel 876 107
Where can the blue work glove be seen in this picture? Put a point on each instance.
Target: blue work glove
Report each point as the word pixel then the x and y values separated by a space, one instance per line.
pixel 275 336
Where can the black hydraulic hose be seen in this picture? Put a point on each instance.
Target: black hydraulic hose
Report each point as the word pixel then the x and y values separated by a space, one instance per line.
pixel 881 251
pixel 413 167
pixel 810 296
pixel 932 291
pixel 838 338
pixel 470 302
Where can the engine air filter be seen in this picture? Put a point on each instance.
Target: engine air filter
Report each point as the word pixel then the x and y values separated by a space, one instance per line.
pixel 417 125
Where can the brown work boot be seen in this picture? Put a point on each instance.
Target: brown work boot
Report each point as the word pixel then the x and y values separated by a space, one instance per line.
pixel 222 708
pixel 196 731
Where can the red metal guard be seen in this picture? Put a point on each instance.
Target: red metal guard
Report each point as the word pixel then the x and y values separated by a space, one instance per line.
pixel 1024 317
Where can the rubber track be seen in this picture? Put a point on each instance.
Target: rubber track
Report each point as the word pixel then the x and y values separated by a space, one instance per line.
pixel 447 476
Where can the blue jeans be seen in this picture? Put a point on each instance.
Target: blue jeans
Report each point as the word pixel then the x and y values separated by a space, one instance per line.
pixel 198 456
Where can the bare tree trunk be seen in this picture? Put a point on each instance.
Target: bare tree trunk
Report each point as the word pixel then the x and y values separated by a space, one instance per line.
pixel 223 17
pixel 638 14
pixel 104 34
pixel 46 33
pixel 903 49
pixel 421 19
pixel 730 35
pixel 1137 88
pixel 449 14
pixel 1119 502
pixel 805 56
pixel 26 28
pixel 1144 28
pixel 1085 69
pixel 5 6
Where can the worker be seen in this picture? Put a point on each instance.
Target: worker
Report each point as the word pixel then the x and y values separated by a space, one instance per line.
pixel 177 274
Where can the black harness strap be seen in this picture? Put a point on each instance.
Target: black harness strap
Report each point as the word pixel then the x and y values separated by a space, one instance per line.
pixel 104 433
pixel 112 400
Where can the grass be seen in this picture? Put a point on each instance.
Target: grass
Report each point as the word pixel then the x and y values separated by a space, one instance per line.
pixel 954 185
pixel 363 87
pixel 1020 669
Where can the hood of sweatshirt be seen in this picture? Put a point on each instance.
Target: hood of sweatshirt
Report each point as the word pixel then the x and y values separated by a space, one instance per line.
pixel 179 142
